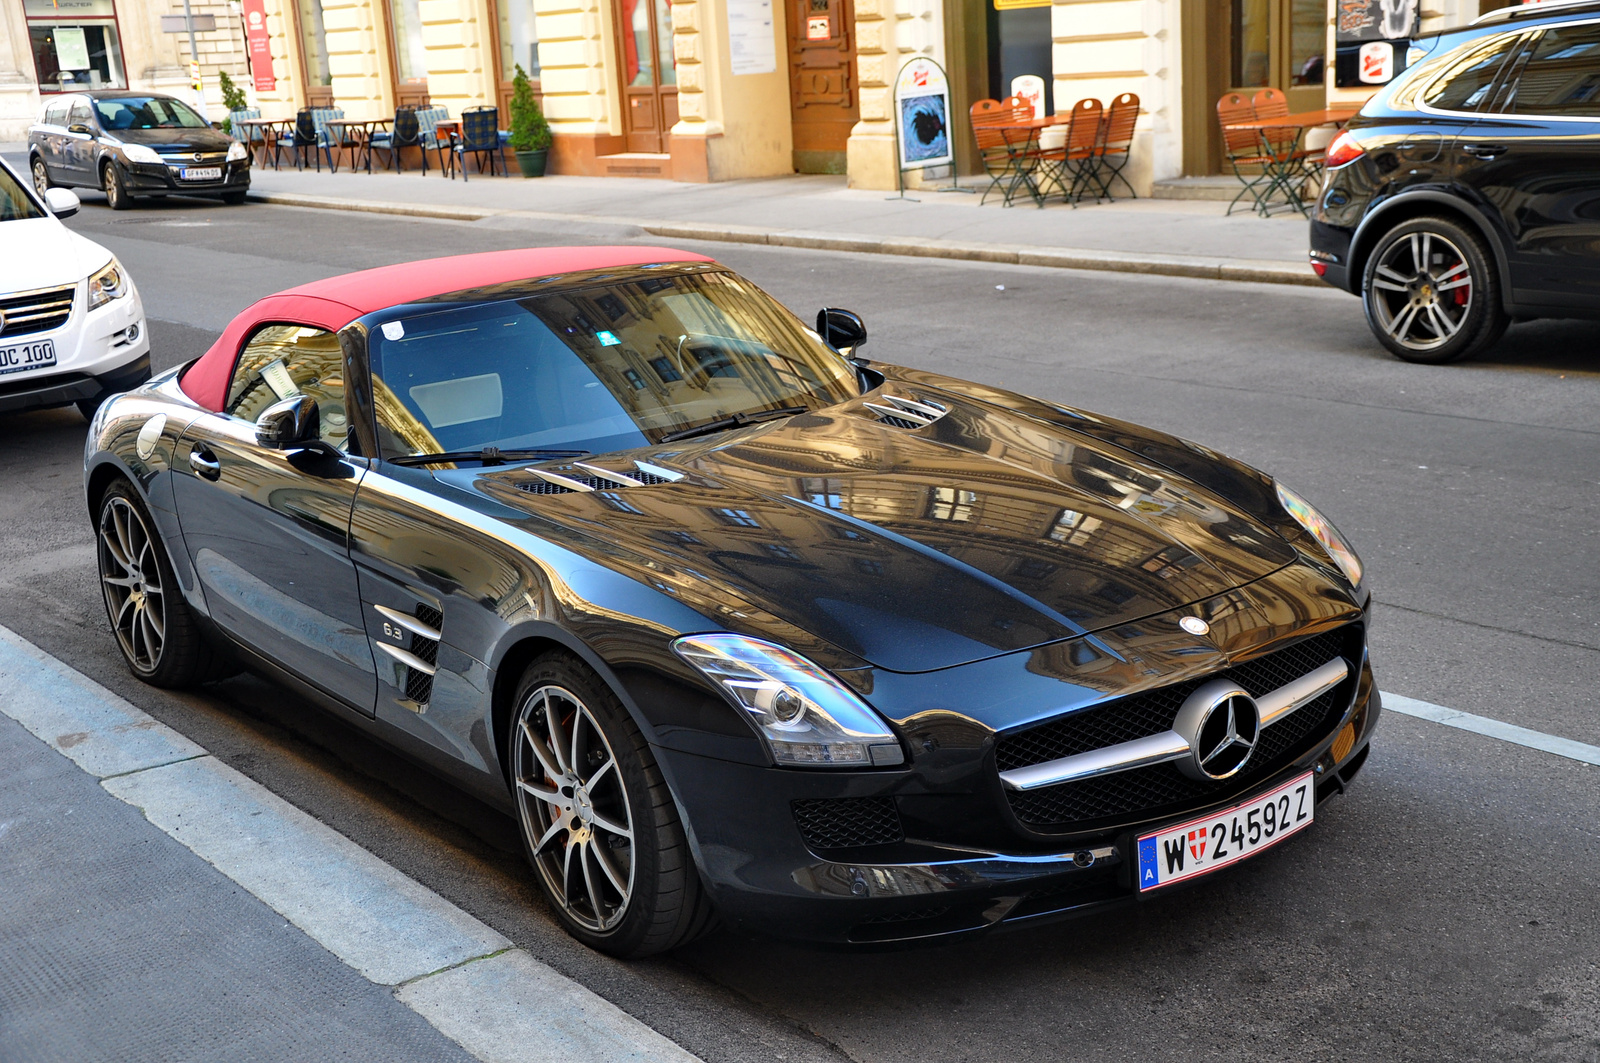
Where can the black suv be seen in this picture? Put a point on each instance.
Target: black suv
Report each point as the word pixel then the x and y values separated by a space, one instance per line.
pixel 1467 192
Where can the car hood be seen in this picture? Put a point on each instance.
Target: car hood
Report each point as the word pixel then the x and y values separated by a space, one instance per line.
pixel 171 140
pixel 42 253
pixel 985 532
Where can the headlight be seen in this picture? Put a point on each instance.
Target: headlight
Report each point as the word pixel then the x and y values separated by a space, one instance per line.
pixel 805 716
pixel 236 152
pixel 106 285
pixel 1321 529
pixel 140 153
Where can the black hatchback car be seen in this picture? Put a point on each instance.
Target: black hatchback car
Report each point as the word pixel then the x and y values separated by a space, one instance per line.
pixel 1466 194
pixel 134 144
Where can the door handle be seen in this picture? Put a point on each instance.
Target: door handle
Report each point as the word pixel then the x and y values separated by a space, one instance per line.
pixel 1484 151
pixel 204 463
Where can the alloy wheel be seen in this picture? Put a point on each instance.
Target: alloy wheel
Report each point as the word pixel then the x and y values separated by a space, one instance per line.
pixel 130 575
pixel 1422 290
pixel 574 807
pixel 41 177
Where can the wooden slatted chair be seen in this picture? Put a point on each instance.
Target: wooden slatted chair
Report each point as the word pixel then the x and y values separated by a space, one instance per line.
pixel 1242 150
pixel 1116 143
pixel 1296 166
pixel 1079 153
pixel 1010 165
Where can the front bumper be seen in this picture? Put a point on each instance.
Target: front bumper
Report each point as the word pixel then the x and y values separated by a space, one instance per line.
pixel 147 178
pixel 763 875
pixel 60 389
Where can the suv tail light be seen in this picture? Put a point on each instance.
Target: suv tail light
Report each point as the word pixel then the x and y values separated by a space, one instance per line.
pixel 1344 150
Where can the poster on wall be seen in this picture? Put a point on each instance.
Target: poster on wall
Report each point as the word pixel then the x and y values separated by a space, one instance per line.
pixel 1370 39
pixel 922 113
pixel 260 45
pixel 752 40
pixel 72 51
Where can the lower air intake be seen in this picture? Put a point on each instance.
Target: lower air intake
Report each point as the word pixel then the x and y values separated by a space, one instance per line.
pixel 840 823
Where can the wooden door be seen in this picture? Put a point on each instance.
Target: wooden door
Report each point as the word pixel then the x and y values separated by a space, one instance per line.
pixel 649 73
pixel 822 82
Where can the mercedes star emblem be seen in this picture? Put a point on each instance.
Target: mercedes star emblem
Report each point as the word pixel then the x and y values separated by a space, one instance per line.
pixel 1221 723
pixel 1194 625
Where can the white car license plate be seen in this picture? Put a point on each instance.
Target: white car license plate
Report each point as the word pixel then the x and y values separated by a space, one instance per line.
pixel 200 173
pixel 27 356
pixel 1226 837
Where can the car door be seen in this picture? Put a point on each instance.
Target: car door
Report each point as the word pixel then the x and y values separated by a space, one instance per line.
pixel 78 145
pixel 1535 159
pixel 52 128
pixel 268 530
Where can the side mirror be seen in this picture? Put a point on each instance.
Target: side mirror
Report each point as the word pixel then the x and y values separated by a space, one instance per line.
pixel 292 424
pixel 79 127
pixel 63 202
pixel 841 329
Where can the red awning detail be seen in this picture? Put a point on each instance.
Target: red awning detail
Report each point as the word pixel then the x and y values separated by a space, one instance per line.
pixel 333 303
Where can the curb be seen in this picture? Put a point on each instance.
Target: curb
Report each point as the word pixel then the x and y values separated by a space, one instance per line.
pixel 1259 271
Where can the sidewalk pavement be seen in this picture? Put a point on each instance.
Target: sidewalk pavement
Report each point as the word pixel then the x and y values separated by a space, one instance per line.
pixel 1172 237
pixel 225 924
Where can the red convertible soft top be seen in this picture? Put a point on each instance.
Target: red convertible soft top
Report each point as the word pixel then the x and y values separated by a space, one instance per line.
pixel 334 303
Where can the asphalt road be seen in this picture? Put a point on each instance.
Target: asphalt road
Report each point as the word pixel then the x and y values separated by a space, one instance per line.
pixel 1442 910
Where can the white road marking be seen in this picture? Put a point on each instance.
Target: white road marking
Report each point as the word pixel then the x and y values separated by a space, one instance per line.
pixel 1483 725
pixel 499 1003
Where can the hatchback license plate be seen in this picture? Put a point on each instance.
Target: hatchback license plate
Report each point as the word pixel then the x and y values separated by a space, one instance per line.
pixel 27 356
pixel 200 173
pixel 1201 845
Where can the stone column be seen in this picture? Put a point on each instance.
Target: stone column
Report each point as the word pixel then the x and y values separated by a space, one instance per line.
pixel 1103 48
pixel 575 41
pixel 352 30
pixel 888 33
pixel 19 96
pixel 460 68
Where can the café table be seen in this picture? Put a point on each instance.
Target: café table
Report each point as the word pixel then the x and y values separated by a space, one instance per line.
pixel 356 134
pixel 273 132
pixel 446 132
pixel 1021 143
pixel 1280 141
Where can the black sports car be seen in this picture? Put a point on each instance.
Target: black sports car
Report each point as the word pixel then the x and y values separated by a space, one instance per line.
pixel 736 623
pixel 132 145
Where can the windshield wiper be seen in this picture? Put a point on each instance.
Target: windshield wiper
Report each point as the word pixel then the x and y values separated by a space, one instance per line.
pixel 737 420
pixel 488 456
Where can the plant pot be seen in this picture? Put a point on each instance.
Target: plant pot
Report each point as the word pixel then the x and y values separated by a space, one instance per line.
pixel 531 163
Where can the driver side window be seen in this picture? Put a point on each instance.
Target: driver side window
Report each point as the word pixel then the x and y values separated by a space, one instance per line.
pixel 283 361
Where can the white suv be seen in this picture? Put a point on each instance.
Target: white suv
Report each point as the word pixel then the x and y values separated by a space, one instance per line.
pixel 72 330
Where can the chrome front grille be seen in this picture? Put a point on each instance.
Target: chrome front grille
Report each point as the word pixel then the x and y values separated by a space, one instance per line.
pixel 26 313
pixel 1153 789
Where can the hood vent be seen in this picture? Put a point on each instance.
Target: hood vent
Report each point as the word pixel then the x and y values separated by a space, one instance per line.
pixel 583 477
pixel 899 412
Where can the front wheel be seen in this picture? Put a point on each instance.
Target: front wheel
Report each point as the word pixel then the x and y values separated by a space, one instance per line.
pixel 1431 292
pixel 115 189
pixel 41 177
pixel 233 199
pixel 598 823
pixel 154 628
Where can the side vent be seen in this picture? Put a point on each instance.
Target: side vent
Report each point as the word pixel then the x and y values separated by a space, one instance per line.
pixel 420 659
pixel 900 412
pixel 584 477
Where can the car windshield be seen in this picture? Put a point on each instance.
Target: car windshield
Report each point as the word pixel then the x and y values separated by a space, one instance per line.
pixel 15 203
pixel 146 112
pixel 595 369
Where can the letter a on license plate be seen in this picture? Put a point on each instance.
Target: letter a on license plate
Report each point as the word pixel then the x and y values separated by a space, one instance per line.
pixel 1201 845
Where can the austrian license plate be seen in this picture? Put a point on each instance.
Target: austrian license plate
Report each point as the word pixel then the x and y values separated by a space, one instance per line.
pixel 200 173
pixel 1226 837
pixel 26 356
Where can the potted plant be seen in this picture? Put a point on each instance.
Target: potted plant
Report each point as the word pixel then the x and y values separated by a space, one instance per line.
pixel 530 133
pixel 233 98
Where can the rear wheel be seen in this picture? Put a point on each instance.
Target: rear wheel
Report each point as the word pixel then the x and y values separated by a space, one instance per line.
pixel 154 628
pixel 1431 292
pixel 41 177
pixel 598 822
pixel 115 189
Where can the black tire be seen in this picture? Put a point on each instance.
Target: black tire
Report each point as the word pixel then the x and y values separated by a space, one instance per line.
pixel 233 199
pixel 1432 293
pixel 41 176
pixel 153 626
pixel 614 863
pixel 115 188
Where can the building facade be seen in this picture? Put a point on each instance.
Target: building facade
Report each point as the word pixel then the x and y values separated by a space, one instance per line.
pixel 706 90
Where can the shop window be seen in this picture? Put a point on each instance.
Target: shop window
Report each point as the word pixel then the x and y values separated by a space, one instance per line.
pixel 410 56
pixel 74 48
pixel 314 45
pixel 519 37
